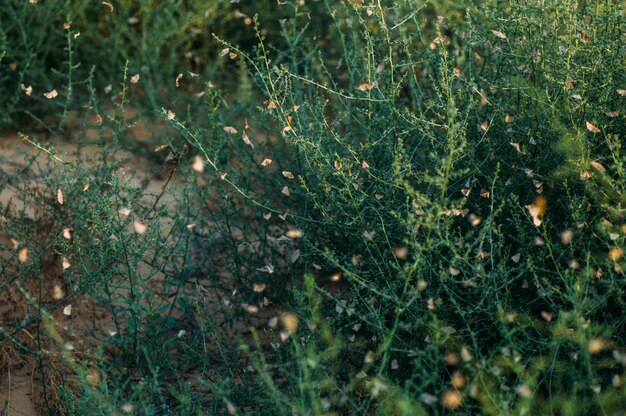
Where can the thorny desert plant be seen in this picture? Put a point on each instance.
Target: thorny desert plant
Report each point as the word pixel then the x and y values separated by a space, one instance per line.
pixel 449 179
pixel 417 165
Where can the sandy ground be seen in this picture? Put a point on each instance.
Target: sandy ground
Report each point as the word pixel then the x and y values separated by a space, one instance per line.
pixel 16 397
pixel 18 380
pixel 17 384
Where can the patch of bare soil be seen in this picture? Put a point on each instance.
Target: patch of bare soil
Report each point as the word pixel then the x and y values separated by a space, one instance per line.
pixel 22 380
pixel 16 393
pixel 23 377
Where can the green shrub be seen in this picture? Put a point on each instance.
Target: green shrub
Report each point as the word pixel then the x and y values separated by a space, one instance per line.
pixel 397 207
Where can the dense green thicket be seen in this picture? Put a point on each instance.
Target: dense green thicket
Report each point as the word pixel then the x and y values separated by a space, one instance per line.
pixel 416 207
